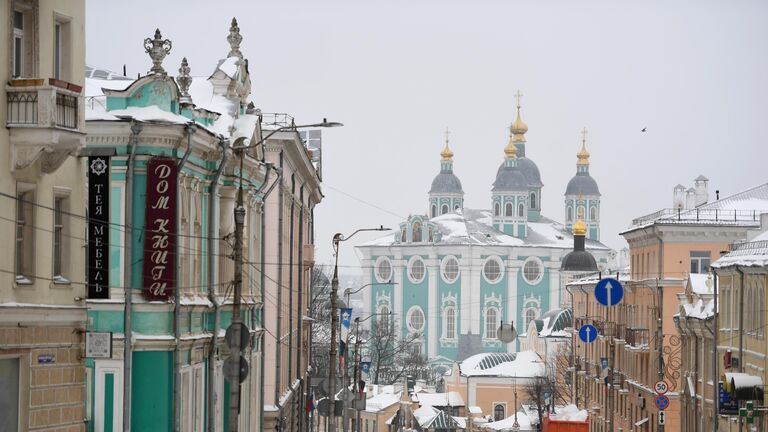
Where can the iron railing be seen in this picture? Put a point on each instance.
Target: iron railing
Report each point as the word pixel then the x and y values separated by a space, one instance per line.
pixel 672 215
pixel 42 105
pixel 22 108
pixel 66 111
pixel 637 337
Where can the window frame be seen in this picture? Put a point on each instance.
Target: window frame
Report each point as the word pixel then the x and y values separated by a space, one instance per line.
pixel 450 327
pixel 409 318
pixel 509 210
pixel 444 209
pixel 533 200
pixel 377 267
pixel 62 46
pixel 443 268
pixel 500 263
pixel 541 269
pixel 62 229
pixel 411 262
pixel 503 406
pixel 697 256
pixel 25 209
pixel 491 331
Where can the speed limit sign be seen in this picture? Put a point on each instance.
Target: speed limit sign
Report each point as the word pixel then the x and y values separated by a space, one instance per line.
pixel 661 387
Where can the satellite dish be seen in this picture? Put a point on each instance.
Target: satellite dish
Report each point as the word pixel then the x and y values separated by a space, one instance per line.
pixel 506 332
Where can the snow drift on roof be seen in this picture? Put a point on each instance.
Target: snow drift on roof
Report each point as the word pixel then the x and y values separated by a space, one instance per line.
pixel 523 364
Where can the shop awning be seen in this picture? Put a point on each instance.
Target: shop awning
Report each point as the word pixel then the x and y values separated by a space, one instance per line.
pixel 743 386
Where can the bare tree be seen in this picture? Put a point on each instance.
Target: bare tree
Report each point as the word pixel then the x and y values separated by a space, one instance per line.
pixel 538 388
pixel 392 357
pixel 320 311
pixel 562 372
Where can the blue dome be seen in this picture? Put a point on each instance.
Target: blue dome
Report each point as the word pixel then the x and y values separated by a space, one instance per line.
pixel 582 184
pixel 510 179
pixel 530 171
pixel 446 182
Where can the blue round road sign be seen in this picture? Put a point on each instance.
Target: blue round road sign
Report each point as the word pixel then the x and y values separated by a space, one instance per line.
pixel 588 333
pixel 662 402
pixel 609 292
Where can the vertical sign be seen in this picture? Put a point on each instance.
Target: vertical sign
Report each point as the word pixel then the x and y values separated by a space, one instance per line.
pixel 98 227
pixel 160 229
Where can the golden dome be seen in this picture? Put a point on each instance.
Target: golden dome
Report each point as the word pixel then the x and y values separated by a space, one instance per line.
pixel 446 154
pixel 510 151
pixel 579 227
pixel 519 127
pixel 583 155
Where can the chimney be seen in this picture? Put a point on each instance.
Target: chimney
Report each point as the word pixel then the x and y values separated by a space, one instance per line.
pixel 702 193
pixel 690 198
pixel 678 197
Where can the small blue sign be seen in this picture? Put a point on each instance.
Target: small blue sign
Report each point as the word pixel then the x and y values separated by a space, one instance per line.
pixel 609 292
pixel 604 362
pixel 588 333
pixel 662 402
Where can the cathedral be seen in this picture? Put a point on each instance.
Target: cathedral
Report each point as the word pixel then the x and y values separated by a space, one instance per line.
pixel 454 275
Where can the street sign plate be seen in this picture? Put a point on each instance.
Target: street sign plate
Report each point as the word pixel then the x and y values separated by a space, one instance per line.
pixel 234 370
pixel 609 292
pixel 245 335
pixel 662 418
pixel 588 333
pixel 661 387
pixel 662 402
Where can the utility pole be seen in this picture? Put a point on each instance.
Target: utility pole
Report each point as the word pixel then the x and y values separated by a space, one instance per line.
pixel 234 385
pixel 660 338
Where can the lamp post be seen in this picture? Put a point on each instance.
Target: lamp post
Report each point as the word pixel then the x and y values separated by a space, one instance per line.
pixel 239 214
pixel 332 365
pixel 358 371
pixel 349 291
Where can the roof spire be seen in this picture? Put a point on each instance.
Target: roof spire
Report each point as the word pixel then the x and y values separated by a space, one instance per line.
pixel 519 128
pixel 583 155
pixel 234 40
pixel 447 154
pixel 184 80
pixel 157 48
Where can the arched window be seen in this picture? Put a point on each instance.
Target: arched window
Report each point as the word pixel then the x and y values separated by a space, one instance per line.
pixel 430 237
pixel 508 210
pixel 416 236
pixel 496 209
pixel 433 212
pixel 569 214
pixel 530 315
pixel 533 200
pixel 403 237
pixel 498 412
pixel 521 210
pixel 491 323
pixel 455 207
pixel 450 323
pixel 384 316
pixel 444 209
pixel 593 213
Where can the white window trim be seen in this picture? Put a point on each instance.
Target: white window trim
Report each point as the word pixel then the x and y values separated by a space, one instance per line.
pixel 540 263
pixel 443 264
pixel 501 269
pixel 411 311
pixel 66 193
pixel 410 264
pixel 378 262
pixel 493 410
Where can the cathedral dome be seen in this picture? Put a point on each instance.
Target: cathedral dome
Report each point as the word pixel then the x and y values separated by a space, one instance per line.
pixel 579 260
pixel 446 182
pixel 530 171
pixel 510 178
pixel 582 184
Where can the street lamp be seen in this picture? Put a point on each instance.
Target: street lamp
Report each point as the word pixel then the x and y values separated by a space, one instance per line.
pixel 237 325
pixel 349 291
pixel 358 371
pixel 337 238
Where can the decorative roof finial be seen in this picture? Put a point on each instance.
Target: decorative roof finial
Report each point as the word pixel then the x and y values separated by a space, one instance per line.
pixel 579 227
pixel 234 40
pixel 519 128
pixel 184 80
pixel 510 151
pixel 447 154
pixel 157 48
pixel 583 155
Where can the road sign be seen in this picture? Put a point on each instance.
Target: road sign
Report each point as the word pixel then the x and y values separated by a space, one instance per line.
pixel 245 335
pixel 661 387
pixel 609 292
pixel 662 402
pixel 588 333
pixel 662 418
pixel 234 370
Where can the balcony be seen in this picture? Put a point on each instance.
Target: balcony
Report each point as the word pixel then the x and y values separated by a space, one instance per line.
pixel 637 337
pixel 44 122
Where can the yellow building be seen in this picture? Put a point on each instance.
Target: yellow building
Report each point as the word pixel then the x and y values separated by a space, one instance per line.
pixel 42 311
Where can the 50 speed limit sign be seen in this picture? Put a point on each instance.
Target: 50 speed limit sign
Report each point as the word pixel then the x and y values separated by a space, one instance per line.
pixel 661 387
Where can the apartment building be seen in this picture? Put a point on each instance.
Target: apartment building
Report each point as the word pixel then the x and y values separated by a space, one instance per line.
pixel 640 336
pixel 42 287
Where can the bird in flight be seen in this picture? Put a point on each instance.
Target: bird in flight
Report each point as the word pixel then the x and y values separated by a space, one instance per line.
pixel 643 130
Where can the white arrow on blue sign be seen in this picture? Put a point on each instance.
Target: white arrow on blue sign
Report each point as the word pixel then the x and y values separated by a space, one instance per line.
pixel 588 333
pixel 609 292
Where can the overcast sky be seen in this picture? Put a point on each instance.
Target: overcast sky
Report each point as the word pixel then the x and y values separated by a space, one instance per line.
pixel 398 73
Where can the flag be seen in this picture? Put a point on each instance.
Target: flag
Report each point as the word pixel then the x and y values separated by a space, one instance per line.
pixel 365 370
pixel 311 403
pixel 346 318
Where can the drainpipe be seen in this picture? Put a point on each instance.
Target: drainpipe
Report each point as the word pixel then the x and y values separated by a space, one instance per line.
pixel 741 330
pixel 128 276
pixel 264 279
pixel 574 390
pixel 278 333
pixel 190 129
pixel 300 313
pixel 715 331
pixel 212 190
pixel 291 270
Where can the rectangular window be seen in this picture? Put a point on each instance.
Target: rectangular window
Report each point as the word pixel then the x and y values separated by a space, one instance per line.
pixel 18 44
pixel 61 239
pixel 9 397
pixel 61 49
pixel 25 202
pixel 57 51
pixel 700 261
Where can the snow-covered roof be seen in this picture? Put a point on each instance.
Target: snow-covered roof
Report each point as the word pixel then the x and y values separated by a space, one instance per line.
pixel 440 399
pixel 524 364
pixel 748 254
pixel 472 226
pixel 698 283
pixel 381 401
pixel 570 413
pixel 506 424
pixel 554 322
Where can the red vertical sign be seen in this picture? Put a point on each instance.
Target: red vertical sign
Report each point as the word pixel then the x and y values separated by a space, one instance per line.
pixel 160 229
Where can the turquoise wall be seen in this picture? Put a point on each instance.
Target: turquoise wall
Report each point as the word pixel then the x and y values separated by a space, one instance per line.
pixel 498 289
pixel 152 389
pixel 443 289
pixel 416 294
